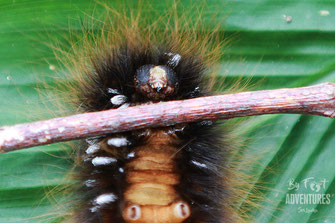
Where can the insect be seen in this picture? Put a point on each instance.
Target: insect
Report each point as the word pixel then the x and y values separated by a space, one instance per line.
pixel 115 97
pixel 172 174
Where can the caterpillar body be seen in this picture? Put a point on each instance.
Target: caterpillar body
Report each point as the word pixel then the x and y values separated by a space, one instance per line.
pixel 154 175
pixel 164 175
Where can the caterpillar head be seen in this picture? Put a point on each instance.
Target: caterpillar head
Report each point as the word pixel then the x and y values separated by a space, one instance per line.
pixel 155 82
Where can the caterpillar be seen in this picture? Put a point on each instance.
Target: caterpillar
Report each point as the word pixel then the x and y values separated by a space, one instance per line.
pixel 171 174
pixel 117 202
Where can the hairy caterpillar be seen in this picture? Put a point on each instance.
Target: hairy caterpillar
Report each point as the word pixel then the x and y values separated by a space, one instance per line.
pixel 172 174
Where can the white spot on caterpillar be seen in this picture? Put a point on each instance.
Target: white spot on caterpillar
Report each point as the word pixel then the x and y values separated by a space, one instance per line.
pixel 179 129
pixel 169 132
pixel 90 183
pixel 61 129
pixel 9 78
pixel 105 199
pixel 195 91
pixel 102 200
pixel 92 149
pixel 118 99
pixel 112 91
pixel 118 142
pixel 174 60
pixel 121 170
pixel 101 161
pixel 131 155
pixel 125 105
pixel 94 209
pixel 199 164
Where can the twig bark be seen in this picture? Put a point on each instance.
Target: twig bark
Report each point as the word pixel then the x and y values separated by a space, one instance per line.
pixel 313 100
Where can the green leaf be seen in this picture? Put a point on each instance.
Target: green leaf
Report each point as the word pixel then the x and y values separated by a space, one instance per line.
pixel 273 43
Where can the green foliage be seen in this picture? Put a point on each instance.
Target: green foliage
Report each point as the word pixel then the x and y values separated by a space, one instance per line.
pixel 277 43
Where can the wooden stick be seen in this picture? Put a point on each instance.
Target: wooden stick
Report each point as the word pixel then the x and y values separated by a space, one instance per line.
pixel 313 100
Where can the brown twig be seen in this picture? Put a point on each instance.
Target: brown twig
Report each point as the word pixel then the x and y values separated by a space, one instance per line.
pixel 313 100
